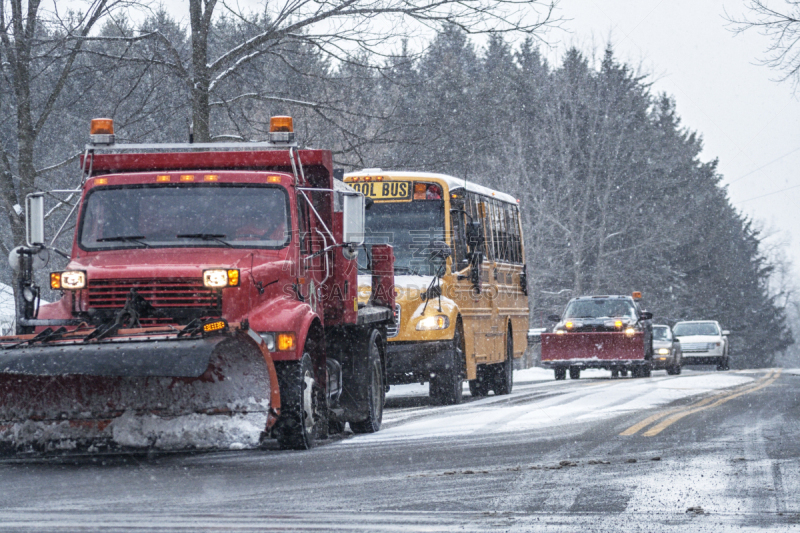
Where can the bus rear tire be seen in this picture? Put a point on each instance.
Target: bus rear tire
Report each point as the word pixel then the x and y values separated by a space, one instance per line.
pixel 504 373
pixel 479 386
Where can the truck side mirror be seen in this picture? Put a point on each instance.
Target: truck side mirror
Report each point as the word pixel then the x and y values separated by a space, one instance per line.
pixel 553 318
pixel 353 218
pixel 646 315
pixel 34 219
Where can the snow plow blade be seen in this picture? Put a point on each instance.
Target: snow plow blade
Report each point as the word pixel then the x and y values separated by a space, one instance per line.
pixel 145 388
pixel 589 346
pixel 166 358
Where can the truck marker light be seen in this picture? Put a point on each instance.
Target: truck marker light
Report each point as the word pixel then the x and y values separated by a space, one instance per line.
pixel 273 179
pixel 286 342
pixel 163 178
pixel 100 181
pixel 281 123
pixel 569 325
pixel 637 295
pixel 187 177
pixel 233 277
pixel 55 280
pixel 210 177
pixel 102 126
pixel 214 326
pixel 618 324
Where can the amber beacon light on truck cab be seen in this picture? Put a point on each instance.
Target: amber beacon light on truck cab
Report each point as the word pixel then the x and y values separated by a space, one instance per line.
pixel 213 280
pixel 461 308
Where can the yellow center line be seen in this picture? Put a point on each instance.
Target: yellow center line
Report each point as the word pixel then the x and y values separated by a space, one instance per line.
pixel 650 419
pixel 658 428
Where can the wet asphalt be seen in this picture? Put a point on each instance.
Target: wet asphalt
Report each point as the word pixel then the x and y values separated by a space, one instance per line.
pixel 729 462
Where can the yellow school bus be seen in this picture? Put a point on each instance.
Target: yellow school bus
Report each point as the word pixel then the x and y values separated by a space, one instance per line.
pixel 460 280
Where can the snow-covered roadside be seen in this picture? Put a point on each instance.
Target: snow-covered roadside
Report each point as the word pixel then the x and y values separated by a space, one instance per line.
pixel 596 400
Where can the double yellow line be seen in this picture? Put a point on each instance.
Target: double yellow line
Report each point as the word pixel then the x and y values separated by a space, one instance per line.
pixel 670 416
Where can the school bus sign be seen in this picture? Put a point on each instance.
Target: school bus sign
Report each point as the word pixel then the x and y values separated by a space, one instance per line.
pixel 385 190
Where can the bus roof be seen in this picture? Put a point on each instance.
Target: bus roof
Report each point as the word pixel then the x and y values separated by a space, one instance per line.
pixel 452 182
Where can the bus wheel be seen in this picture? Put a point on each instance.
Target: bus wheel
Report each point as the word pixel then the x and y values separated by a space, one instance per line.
pixel 480 385
pixel 446 387
pixel 504 377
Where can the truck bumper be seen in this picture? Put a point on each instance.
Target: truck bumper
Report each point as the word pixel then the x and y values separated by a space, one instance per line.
pixel 413 362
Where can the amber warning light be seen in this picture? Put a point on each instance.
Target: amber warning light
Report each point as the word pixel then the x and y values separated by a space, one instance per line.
pixel 102 131
pixel 281 129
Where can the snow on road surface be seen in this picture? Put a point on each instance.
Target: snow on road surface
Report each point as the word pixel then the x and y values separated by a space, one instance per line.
pixel 584 401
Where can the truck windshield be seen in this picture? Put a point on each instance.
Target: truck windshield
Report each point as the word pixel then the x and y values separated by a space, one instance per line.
pixel 599 308
pixel 409 227
pixel 185 216
pixel 688 330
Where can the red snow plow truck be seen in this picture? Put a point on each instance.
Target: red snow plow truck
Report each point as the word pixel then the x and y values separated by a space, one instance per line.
pixel 210 300
pixel 609 332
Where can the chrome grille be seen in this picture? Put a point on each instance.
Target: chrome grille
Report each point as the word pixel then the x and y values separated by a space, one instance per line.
pixel 694 346
pixel 392 331
pixel 160 293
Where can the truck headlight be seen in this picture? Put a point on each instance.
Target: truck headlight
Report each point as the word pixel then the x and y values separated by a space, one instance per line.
pixel 70 280
pixel 218 278
pixel 630 332
pixel 663 351
pixel 430 323
pixel 269 339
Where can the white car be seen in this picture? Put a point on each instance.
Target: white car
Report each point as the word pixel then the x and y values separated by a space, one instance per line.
pixel 703 342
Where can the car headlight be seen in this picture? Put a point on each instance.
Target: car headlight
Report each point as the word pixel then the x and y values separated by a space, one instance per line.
pixel 70 280
pixel 218 278
pixel 663 351
pixel 430 323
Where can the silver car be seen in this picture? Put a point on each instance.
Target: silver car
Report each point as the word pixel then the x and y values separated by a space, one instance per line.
pixel 703 342
pixel 667 354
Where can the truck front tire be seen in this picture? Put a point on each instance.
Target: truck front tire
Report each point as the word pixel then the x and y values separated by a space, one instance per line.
pixel 302 405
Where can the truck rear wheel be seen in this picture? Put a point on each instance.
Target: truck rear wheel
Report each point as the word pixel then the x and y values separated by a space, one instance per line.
pixel 561 373
pixel 574 372
pixel 504 373
pixel 302 405
pixel 446 386
pixel 376 390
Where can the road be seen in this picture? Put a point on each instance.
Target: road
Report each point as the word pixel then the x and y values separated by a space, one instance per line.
pixel 704 451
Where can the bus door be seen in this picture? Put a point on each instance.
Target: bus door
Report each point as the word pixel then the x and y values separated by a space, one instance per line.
pixel 472 286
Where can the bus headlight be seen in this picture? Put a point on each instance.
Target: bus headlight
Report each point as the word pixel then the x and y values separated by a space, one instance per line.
pixel 430 323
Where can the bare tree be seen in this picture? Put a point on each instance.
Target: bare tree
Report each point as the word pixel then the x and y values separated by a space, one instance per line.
pixel 346 30
pixel 782 27
pixel 39 53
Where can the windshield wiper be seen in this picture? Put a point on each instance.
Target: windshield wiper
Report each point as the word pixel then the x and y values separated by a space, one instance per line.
pixel 126 238
pixel 206 237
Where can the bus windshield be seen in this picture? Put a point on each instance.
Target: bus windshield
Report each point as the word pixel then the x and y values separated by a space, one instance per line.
pixel 409 227
pixel 185 216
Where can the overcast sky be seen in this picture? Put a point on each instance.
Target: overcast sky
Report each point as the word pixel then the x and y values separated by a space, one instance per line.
pixel 748 121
